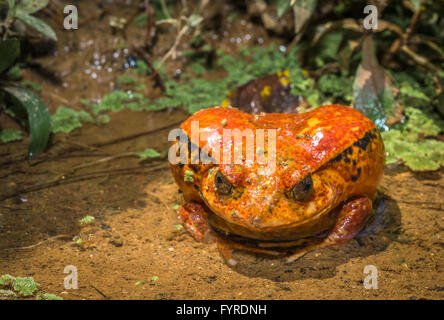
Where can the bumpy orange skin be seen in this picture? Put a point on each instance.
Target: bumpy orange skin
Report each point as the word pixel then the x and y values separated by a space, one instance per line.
pixel 340 147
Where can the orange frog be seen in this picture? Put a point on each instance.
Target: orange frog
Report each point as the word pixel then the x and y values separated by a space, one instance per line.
pixel 327 165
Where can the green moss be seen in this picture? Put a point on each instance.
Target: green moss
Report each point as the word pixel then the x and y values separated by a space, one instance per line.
pixel 148 153
pixel 7 294
pixel 340 88
pixel 188 176
pixel 66 119
pixel 10 135
pixel 7 280
pixel 87 220
pixel 126 79
pixel 25 286
pixel 409 144
pixel 141 68
pixel 47 296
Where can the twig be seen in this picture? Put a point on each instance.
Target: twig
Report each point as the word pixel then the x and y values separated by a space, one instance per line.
pixel 106 159
pixel 156 76
pixel 81 177
pixel 168 21
pixel 100 292
pixel 418 58
pixel 172 51
pixel 402 41
pixel 39 243
pixel 151 26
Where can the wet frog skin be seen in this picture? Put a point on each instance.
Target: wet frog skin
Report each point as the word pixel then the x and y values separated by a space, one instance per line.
pixel 329 162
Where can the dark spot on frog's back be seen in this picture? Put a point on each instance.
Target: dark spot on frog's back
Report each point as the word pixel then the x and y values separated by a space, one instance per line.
pixel 356 177
pixel 366 139
pixel 343 156
pixel 337 158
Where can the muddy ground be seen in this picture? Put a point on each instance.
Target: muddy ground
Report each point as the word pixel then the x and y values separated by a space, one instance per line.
pixel 134 237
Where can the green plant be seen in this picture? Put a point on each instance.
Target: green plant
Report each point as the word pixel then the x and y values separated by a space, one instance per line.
pixel 47 296
pixel 148 153
pixel 9 135
pixel 21 103
pixel 66 119
pixel 410 142
pixel 16 287
pixel 21 286
pixel 87 220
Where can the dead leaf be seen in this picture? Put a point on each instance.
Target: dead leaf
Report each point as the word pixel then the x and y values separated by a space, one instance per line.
pixel 302 9
pixel 373 89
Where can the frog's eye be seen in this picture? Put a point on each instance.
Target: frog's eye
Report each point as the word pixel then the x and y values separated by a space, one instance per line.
pixel 302 190
pixel 222 184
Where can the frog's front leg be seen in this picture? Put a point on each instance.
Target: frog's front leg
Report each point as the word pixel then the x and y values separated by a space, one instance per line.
pixel 194 219
pixel 351 219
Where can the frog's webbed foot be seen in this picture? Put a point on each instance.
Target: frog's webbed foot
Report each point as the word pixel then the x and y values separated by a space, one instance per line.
pixel 351 219
pixel 194 219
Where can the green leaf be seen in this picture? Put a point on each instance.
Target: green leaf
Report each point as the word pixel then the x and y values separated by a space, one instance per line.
pixel 140 20
pixel 141 68
pixel 188 176
pixel 422 124
pixel 194 20
pixel 47 296
pixel 9 52
pixel 408 91
pixel 282 7
pixel 148 153
pixel 7 294
pixel 418 155
pixel 87 220
pixel 38 117
pixel 126 79
pixel 15 73
pixel 11 4
pixel 30 6
pixel 7 280
pixel 416 4
pixel 25 286
pixel 10 135
pixel 38 25
pixel 32 85
pixel 372 89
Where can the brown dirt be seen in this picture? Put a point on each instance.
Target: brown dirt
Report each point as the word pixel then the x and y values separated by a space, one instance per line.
pixel 134 238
